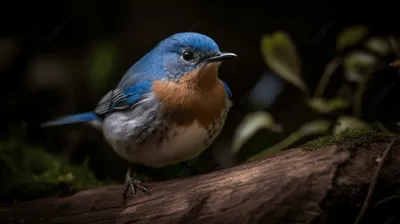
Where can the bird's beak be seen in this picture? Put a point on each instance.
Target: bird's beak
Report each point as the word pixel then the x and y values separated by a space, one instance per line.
pixel 221 57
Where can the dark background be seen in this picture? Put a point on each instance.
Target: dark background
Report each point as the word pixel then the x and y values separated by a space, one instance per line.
pixel 61 57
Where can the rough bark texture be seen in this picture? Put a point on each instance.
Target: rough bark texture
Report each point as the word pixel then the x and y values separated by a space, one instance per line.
pixel 295 186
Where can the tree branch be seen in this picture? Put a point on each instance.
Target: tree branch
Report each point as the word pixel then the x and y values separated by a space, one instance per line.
pixel 295 186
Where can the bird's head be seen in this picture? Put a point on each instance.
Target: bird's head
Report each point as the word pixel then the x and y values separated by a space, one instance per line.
pixel 193 54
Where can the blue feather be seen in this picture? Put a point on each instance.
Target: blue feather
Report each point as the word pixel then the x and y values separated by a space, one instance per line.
pixel 164 60
pixel 135 92
pixel 75 118
pixel 122 98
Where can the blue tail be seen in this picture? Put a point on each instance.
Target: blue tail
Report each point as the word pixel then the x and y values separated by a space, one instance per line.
pixel 75 118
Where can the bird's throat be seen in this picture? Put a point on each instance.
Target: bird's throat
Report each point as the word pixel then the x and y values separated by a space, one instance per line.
pixel 202 79
pixel 199 95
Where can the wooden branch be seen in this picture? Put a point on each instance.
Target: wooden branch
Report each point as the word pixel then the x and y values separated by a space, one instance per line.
pixel 295 186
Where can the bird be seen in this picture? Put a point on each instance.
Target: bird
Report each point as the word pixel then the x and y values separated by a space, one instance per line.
pixel 168 107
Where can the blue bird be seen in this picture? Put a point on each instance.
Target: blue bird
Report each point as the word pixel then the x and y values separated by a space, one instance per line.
pixel 167 108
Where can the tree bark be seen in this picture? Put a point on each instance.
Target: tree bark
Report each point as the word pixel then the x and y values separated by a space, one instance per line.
pixel 295 186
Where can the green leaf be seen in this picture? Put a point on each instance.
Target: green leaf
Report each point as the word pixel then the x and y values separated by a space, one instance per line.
pixel 318 127
pixel 327 106
pixel 351 36
pixel 379 45
pixel 280 55
pixel 358 65
pixel 250 125
pixel 314 128
pixel 349 122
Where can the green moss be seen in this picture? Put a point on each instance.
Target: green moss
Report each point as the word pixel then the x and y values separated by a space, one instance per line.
pixel 349 139
pixel 30 172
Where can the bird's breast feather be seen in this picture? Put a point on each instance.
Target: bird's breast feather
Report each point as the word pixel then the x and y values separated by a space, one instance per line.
pixel 187 104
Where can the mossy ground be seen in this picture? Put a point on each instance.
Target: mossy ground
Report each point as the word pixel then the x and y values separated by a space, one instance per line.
pixel 28 172
pixel 349 139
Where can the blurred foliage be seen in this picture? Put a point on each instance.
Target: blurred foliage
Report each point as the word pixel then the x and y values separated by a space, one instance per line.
pixel 317 127
pixel 250 125
pixel 326 76
pixel 351 36
pixel 379 45
pixel 101 60
pixel 28 172
pixel 395 43
pixel 280 55
pixel 345 123
pixel 327 106
pixel 358 65
pixel 358 57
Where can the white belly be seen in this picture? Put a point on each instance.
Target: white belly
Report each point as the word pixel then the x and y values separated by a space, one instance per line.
pixel 182 143
pixel 132 135
pixel 178 144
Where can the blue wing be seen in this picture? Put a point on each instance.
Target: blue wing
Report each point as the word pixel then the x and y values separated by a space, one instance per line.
pixel 123 97
pixel 117 99
pixel 135 83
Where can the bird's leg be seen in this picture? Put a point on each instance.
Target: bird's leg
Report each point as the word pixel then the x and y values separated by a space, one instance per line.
pixel 133 184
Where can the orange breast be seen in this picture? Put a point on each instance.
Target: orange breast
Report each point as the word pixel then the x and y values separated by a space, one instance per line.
pixel 198 96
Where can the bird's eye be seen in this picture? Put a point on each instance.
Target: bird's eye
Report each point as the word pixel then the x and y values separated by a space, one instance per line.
pixel 187 55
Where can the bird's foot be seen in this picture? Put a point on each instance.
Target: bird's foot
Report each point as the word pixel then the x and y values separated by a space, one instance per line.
pixel 133 184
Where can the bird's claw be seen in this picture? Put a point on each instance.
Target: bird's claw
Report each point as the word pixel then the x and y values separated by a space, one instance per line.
pixel 133 184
